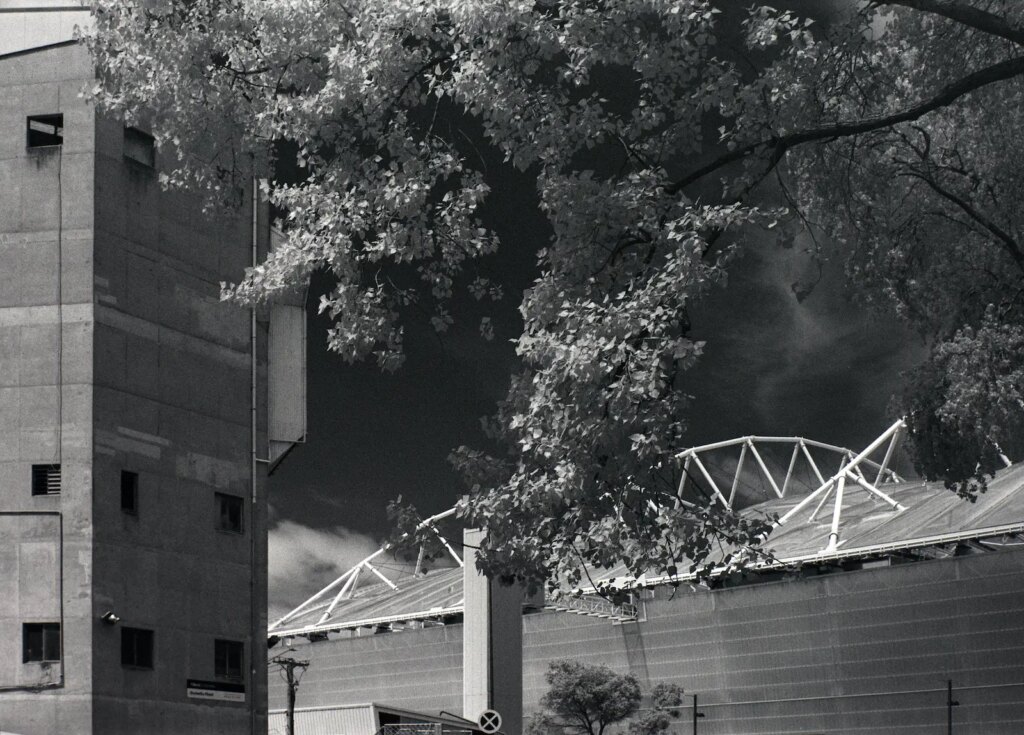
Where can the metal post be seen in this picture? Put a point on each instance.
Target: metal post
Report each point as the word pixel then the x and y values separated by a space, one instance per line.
pixel 289 727
pixel 254 632
pixel 697 714
pixel 950 704
pixel 288 668
pixel 837 511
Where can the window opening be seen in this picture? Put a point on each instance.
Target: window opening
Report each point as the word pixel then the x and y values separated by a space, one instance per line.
pixel 130 492
pixel 229 513
pixel 46 479
pixel 137 648
pixel 140 147
pixel 45 130
pixel 228 659
pixel 40 642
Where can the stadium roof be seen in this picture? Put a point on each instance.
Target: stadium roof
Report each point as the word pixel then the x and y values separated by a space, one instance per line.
pixel 870 519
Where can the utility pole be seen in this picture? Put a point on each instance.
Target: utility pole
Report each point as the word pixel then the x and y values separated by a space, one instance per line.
pixel 287 669
pixel 697 714
pixel 950 704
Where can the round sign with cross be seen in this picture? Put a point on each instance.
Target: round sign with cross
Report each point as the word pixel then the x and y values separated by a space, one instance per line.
pixel 490 721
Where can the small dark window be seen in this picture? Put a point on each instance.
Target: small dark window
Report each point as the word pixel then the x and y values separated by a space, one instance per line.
pixel 229 513
pixel 40 642
pixel 46 479
pixel 137 648
pixel 140 147
pixel 130 492
pixel 45 130
pixel 228 657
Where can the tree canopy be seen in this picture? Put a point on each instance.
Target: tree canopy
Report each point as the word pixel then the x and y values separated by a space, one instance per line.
pixel 659 134
pixel 585 699
pixel 665 710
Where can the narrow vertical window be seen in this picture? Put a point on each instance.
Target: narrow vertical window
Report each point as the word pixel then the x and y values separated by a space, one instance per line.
pixel 46 479
pixel 137 648
pixel 130 492
pixel 140 147
pixel 40 642
pixel 230 512
pixel 228 659
pixel 45 130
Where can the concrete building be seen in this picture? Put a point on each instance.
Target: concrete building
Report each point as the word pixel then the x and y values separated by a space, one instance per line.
pixel 875 601
pixel 134 407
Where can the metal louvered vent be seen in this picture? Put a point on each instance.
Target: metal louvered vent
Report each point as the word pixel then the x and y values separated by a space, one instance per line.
pixel 46 479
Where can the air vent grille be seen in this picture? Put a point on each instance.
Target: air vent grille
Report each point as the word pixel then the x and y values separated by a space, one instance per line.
pixel 46 479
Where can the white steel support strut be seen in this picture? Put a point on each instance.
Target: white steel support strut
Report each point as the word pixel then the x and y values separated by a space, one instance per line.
pixel 811 462
pixel 739 472
pixel 893 443
pixel 847 471
pixel 711 482
pixel 837 512
pixel 764 469
pixel 789 470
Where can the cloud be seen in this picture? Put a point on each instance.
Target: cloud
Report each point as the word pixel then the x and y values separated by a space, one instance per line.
pixel 303 560
pixel 829 349
pixel 822 366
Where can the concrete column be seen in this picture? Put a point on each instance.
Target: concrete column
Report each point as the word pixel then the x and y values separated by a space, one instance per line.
pixel 492 644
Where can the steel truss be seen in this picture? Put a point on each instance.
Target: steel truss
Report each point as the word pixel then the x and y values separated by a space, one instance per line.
pixel 853 470
pixel 595 607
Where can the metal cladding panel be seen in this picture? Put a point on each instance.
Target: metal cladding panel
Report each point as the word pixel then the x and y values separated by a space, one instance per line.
pixel 286 384
pixel 419 670
pixel 865 651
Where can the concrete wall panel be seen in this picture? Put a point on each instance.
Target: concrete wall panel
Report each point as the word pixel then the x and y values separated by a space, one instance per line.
pixel 172 404
pixel 141 369
pixel 46 211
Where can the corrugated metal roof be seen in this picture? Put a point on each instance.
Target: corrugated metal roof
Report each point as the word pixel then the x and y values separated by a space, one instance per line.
pixel 360 719
pixel 930 515
pixel 436 590
pixel 357 719
pixel 930 510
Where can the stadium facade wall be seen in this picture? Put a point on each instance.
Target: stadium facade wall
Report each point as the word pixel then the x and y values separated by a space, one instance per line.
pixel 862 651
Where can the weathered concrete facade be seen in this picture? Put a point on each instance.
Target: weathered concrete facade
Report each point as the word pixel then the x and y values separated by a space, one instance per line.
pixel 116 356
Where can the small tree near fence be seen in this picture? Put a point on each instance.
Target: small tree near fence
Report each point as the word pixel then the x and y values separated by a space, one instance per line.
pixel 586 700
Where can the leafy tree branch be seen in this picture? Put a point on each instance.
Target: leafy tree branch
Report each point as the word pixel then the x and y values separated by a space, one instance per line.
pixel 965 14
pixel 778 145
